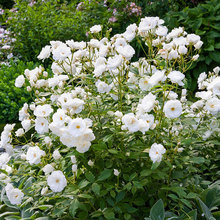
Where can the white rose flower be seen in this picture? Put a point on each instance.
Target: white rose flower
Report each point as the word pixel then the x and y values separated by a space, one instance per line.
pixel 19 132
pixel 144 83
pixel 14 195
pixel 95 29
pixel 176 77
pixel 182 50
pixel 73 159
pixel 161 31
pixel 34 155
pixel 77 127
pixel 48 169
pixel 102 87
pixel 172 109
pixel 43 110
pixel 130 122
pixel 116 172
pixel 56 155
pixel 57 181
pixel 19 82
pixel 74 168
pixel 45 53
pixel 4 159
pixel 213 106
pixel 90 163
pixel 26 124
pixel 156 152
pixel 44 191
pixel 41 125
pixel 83 146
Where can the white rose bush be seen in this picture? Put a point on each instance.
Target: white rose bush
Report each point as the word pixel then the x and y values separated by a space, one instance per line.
pixel 110 135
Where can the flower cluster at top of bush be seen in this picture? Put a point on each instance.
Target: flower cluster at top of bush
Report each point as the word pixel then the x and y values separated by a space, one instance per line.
pixel 96 80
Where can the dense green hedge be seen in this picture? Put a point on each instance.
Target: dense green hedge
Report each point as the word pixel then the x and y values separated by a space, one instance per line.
pixel 12 98
pixel 204 20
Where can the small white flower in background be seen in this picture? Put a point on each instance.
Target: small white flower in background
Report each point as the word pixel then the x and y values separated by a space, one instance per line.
pixel 56 155
pixel 116 172
pixel 172 109
pixel 44 191
pixel 48 169
pixel 180 149
pixel 176 77
pixel 34 155
pixel 144 83
pixel 74 168
pixel 96 29
pixel 19 132
pixel 90 163
pixel 19 82
pixel 14 195
pixel 156 152
pixel 73 159
pixel 7 168
pixel 56 181
pixel 215 86
pixel 118 114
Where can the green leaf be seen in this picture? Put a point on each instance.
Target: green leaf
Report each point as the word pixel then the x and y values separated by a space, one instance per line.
pixel 83 184
pixel 90 177
pixel 105 174
pixel 96 188
pixel 73 207
pixel 109 214
pixel 205 210
pixel 113 151
pixel 44 207
pixel 146 172
pixel 157 212
pixel 215 55
pixel 9 213
pixel 155 165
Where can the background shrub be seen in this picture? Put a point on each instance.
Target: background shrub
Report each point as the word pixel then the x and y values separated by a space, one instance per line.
pixel 204 20
pixel 12 98
pixel 6 3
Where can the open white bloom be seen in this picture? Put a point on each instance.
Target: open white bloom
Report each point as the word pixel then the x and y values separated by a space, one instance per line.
pixel 56 181
pixel 56 155
pixel 176 77
pixel 157 77
pixel 147 104
pixel 161 31
pixel 61 52
pixel 114 62
pixel 156 152
pixel 96 29
pixel 116 172
pixel 48 169
pixel 45 53
pixel 144 83
pixel 34 155
pixel 43 110
pixel 213 106
pixel 172 109
pixel 83 146
pixel 41 125
pixel 14 195
pixel 77 106
pixel 130 122
pixel 126 51
pixel 77 127
pixel 19 82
